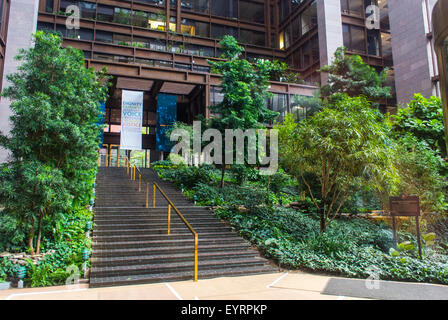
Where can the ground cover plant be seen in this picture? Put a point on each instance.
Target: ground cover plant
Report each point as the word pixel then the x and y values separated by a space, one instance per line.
pixel 350 246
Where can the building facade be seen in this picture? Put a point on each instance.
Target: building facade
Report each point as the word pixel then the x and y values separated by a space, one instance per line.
pixel 163 47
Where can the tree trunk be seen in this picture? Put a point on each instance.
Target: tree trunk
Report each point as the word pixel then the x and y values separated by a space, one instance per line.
pixel 30 240
pixel 323 225
pixel 223 173
pixel 39 232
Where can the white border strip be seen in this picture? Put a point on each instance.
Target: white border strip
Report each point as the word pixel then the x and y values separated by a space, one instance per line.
pixel 275 282
pixel 174 291
pixel 42 292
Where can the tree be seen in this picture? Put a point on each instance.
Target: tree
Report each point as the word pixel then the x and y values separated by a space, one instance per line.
pixel 348 74
pixel 54 140
pixel 245 88
pixel 339 148
pixel 423 119
pixel 419 170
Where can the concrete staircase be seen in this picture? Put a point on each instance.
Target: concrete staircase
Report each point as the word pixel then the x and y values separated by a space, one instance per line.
pixel 131 245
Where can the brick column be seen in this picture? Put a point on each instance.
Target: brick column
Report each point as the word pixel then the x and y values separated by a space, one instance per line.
pixel 23 22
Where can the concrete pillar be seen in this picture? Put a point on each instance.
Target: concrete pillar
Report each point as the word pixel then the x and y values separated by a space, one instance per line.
pixel 329 22
pixel 412 50
pixel 22 23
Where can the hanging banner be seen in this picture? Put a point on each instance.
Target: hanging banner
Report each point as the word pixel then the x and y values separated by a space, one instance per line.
pixel 166 116
pixel 131 120
pixel 100 122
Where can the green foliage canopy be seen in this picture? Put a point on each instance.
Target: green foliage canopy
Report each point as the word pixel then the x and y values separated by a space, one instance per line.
pixel 54 138
pixel 339 147
pixel 349 74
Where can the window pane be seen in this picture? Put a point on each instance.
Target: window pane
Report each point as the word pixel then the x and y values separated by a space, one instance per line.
pixel 219 31
pixel 88 10
pixel 252 37
pixel 228 8
pixel 140 19
pixel 195 5
pixel 122 16
pixel 373 42
pixel 358 40
pixel 105 13
pixel 346 35
pixel 251 11
pixel 356 7
pixel 195 28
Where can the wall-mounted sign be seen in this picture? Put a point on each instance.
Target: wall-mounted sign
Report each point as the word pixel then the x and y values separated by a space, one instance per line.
pixel 131 120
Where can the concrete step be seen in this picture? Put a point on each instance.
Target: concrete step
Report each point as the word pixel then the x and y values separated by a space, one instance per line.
pixel 177 276
pixel 166 243
pixel 203 248
pixel 179 257
pixel 163 268
pixel 98 238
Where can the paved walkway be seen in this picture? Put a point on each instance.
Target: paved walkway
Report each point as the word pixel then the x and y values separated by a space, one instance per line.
pixel 281 286
pixel 276 286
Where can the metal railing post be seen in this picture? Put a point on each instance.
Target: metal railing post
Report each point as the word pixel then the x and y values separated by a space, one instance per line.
pixel 154 196
pixel 147 194
pixel 139 182
pixel 196 240
pixel 169 218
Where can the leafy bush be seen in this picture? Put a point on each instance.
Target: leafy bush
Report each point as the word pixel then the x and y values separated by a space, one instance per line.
pixel 279 181
pixel 189 177
pixel 350 247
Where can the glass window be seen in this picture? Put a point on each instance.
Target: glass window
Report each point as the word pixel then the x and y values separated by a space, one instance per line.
pixel 122 39
pixel 309 18
pixel 88 10
pixel 216 95
pixel 44 26
pixel 140 19
pixel 200 50
pixel 373 42
pixel 195 5
pixel 122 16
pixel 296 29
pixel 48 5
pixel 104 36
pixel 284 9
pixel 228 8
pixel 346 35
pixel 219 31
pixel 105 13
pixel 197 28
pixel 158 45
pixel 157 21
pixel 356 7
pixel 354 38
pixel 140 42
pixel 80 34
pixel 159 3
pixel 279 103
pixel 65 3
pixel 252 37
pixel 358 40
pixel 251 11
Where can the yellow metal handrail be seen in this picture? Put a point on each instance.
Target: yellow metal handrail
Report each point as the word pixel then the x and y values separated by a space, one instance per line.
pixel 131 169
